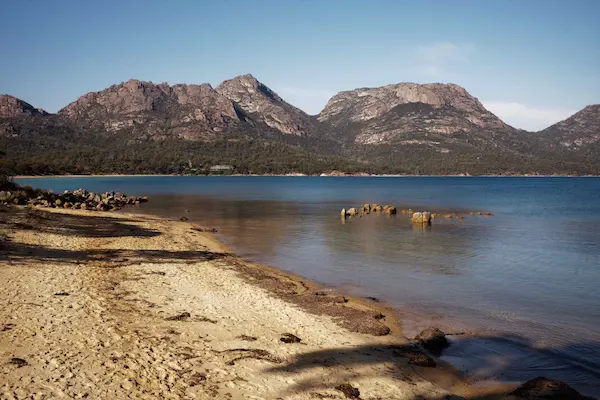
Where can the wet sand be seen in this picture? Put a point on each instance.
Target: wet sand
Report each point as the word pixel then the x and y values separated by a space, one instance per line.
pixel 103 305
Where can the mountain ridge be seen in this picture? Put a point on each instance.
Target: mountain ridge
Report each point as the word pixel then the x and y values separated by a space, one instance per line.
pixel 404 127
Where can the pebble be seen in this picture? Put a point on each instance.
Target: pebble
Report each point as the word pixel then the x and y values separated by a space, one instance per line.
pixel 20 393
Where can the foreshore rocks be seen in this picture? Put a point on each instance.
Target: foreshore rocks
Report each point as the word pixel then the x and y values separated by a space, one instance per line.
pixel 433 339
pixel 78 199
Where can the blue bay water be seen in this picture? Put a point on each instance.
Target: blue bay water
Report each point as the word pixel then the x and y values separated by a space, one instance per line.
pixel 525 280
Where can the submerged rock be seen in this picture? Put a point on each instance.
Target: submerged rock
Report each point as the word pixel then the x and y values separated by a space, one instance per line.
pixel 416 357
pixel 542 388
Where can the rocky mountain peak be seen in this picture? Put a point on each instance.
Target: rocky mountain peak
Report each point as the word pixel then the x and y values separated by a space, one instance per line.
pixel 257 99
pixel 410 113
pixel 11 106
pixel 367 103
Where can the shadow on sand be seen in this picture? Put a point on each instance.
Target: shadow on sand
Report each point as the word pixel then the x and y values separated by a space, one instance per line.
pixel 43 222
pixel 513 366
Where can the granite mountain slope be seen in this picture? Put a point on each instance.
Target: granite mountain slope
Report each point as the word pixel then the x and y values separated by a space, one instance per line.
pixel 158 111
pixel 411 114
pixel 256 99
pixel 580 130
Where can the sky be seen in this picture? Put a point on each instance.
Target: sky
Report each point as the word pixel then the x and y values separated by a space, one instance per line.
pixel 531 62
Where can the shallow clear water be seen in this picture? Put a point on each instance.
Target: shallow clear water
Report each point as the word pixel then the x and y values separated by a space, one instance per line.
pixel 527 278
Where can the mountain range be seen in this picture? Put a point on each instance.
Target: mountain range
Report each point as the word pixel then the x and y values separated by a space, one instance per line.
pixel 406 128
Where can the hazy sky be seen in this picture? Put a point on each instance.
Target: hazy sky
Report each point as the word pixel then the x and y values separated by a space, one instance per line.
pixel 532 62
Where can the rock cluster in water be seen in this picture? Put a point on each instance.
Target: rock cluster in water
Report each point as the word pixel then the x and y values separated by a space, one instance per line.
pixel 418 218
pixel 367 209
pixel 77 199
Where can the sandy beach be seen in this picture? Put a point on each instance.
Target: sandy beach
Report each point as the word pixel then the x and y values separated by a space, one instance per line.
pixel 114 306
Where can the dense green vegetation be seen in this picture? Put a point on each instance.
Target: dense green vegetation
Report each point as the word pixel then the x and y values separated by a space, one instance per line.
pixel 100 153
pixel 477 161
pixel 46 146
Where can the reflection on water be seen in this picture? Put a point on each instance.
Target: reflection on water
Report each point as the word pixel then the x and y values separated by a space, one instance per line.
pixel 531 270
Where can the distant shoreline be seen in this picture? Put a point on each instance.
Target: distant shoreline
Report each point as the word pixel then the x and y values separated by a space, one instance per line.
pixel 304 176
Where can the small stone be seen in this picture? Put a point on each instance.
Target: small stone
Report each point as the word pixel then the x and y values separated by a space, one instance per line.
pixel 290 338
pixel 19 362
pixel 350 391
pixel 180 317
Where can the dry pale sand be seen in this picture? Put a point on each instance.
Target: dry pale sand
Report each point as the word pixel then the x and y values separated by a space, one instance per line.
pixel 87 310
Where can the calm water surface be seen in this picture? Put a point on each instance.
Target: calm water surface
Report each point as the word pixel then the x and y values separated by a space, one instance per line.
pixel 526 279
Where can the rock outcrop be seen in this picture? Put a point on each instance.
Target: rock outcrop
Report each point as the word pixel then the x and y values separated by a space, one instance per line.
pixel 11 106
pixel 190 112
pixel 256 99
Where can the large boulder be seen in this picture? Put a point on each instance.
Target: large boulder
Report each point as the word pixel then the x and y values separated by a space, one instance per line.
pixel 433 340
pixel 376 208
pixel 352 212
pixel 421 218
pixel 546 389
pixel 390 210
